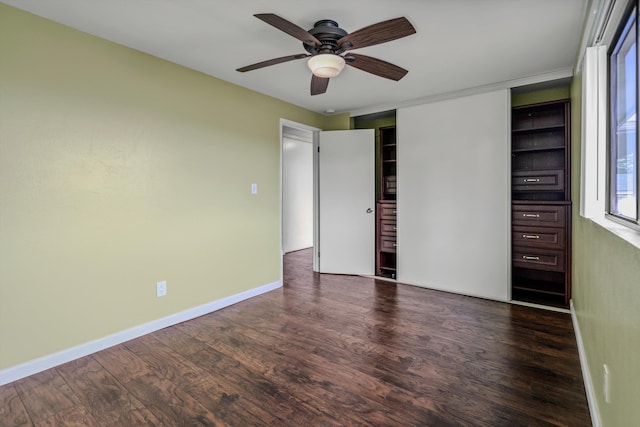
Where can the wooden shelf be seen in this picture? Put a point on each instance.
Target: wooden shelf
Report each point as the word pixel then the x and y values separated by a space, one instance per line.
pixel 537 298
pixel 539 129
pixel 525 150
pixel 540 287
pixel 386 206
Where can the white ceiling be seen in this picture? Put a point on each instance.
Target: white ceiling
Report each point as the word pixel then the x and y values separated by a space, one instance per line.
pixel 459 45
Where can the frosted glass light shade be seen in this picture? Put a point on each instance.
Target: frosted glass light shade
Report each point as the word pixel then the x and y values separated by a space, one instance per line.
pixel 326 65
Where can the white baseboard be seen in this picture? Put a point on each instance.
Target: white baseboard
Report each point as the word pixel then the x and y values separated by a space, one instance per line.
pixel 540 306
pixel 586 375
pixel 46 362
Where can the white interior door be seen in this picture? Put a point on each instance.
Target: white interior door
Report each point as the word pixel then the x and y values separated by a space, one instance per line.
pixel 347 202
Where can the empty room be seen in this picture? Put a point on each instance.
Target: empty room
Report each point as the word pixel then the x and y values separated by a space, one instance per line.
pixel 280 213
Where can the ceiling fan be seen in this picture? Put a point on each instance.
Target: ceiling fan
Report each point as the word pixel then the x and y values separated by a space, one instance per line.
pixel 326 42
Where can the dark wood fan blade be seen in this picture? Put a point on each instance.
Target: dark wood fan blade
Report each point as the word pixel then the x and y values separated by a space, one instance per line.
pixel 318 85
pixel 273 61
pixel 376 66
pixel 288 27
pixel 381 32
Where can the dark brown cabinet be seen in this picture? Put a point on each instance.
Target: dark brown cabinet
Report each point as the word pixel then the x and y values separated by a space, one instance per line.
pixel 386 239
pixel 541 204
pixel 386 225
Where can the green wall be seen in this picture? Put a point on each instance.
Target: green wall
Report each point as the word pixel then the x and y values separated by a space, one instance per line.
pixel 534 97
pixel 605 286
pixel 606 298
pixel 117 170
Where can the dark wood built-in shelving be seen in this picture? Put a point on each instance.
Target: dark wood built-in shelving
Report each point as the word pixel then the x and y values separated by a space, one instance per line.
pixel 386 224
pixel 541 204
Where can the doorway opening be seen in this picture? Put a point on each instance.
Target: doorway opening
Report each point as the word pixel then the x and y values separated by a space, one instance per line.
pixel 337 186
pixel 298 187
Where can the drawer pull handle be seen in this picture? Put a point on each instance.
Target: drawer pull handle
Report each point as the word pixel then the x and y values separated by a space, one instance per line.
pixel 531 258
pixel 395 245
pixel 394 228
pixel 395 212
pixel 531 215
pixel 530 236
pixel 531 180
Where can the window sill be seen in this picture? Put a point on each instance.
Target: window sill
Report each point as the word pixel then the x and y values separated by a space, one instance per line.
pixel 625 233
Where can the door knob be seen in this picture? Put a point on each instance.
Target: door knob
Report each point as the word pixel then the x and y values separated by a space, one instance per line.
pixel 369 210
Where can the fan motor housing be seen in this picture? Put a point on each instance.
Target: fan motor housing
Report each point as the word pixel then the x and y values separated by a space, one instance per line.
pixel 328 32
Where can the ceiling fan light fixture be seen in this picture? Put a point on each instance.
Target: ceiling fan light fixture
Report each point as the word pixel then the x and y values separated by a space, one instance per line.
pixel 326 65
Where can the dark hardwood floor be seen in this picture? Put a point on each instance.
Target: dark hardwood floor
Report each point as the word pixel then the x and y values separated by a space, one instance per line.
pixel 324 350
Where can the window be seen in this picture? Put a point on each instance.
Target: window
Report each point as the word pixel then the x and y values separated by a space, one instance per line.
pixel 623 141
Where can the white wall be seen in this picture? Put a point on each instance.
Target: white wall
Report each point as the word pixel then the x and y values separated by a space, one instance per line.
pixel 297 194
pixel 453 195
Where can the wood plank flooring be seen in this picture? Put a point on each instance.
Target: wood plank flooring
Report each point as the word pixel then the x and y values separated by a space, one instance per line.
pixel 324 350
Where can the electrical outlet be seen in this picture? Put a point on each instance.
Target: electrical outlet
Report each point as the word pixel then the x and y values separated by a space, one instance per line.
pixel 161 288
pixel 254 188
pixel 606 383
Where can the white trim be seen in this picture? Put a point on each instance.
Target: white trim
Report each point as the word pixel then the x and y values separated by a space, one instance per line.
pixel 316 201
pixel 509 84
pixel 46 362
pixel 509 195
pixel 316 243
pixel 623 231
pixel 586 375
pixel 594 133
pixel 540 306
pixel 292 124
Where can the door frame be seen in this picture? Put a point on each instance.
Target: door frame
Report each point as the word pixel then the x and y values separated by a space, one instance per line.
pixel 316 223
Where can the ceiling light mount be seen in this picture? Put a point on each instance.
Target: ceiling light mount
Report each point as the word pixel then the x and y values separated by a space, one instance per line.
pixel 326 61
pixel 328 33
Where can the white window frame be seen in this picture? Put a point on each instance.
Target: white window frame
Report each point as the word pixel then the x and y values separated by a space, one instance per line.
pixel 633 223
pixel 595 109
pixel 594 133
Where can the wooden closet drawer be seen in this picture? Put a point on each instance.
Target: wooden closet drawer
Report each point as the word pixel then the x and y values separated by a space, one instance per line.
pixel 538 215
pixel 388 228
pixel 539 259
pixel 538 180
pixel 387 243
pixel 390 184
pixel 387 211
pixel 538 237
